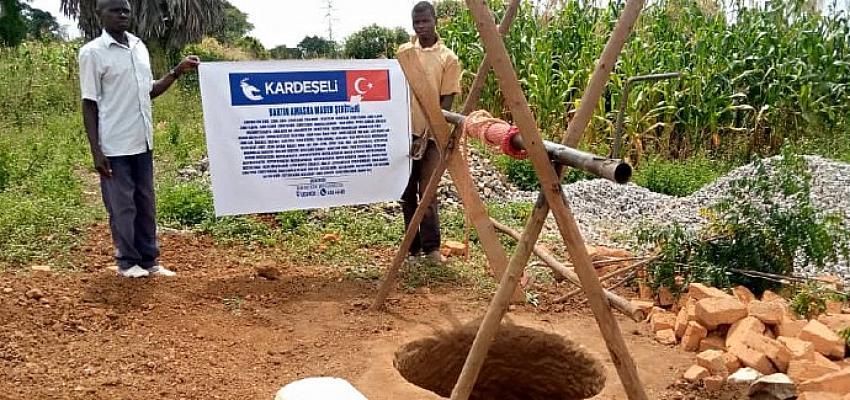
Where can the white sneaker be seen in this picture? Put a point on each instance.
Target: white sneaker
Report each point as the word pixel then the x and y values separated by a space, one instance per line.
pixel 159 270
pixel 133 272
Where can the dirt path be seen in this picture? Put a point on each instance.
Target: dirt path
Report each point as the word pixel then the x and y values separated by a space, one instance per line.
pixel 219 332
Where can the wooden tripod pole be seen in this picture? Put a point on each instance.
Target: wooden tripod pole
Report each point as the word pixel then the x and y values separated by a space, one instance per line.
pixel 430 193
pixel 550 194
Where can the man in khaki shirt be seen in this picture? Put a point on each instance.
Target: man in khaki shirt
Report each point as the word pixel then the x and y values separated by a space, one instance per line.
pixel 442 71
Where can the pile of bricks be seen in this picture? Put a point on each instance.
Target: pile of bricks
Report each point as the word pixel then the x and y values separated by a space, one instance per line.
pixel 733 331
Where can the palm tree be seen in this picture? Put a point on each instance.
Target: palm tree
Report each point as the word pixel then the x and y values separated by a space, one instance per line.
pixel 170 24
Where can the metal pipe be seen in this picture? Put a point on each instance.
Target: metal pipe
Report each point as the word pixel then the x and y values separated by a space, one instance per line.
pixel 612 169
pixel 621 115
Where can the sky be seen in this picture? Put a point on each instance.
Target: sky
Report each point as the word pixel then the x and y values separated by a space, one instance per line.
pixel 286 22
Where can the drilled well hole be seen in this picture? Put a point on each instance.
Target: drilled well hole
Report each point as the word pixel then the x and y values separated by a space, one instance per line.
pixel 523 364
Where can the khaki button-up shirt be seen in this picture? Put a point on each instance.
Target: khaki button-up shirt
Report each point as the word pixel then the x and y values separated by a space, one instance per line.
pixel 442 71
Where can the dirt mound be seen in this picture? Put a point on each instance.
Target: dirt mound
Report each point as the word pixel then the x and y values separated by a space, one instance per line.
pixel 523 364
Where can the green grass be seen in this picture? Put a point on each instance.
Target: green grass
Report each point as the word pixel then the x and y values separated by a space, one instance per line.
pixel 678 178
pixel 42 206
pixel 740 79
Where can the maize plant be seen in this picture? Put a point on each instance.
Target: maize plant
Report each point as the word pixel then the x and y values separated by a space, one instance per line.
pixel 752 78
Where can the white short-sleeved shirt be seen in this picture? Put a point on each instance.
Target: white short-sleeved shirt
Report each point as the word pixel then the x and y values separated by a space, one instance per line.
pixel 119 79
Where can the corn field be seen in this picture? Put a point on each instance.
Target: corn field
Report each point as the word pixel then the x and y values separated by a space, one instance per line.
pixel 750 80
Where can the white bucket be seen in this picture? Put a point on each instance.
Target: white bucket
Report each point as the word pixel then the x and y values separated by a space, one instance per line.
pixel 320 388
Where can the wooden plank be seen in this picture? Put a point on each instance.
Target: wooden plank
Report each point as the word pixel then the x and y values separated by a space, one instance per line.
pixel 477 87
pixel 467 190
pixel 616 301
pixel 551 189
pixel 391 275
pixel 430 193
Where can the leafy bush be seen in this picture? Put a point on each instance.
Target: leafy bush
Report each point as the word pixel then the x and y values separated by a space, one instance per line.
pixel 678 178
pixel 767 223
pixel 211 50
pixel 810 301
pixel 185 204
pixel 374 41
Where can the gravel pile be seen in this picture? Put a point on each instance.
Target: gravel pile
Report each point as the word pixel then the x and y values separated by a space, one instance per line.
pixel 609 213
pixel 492 185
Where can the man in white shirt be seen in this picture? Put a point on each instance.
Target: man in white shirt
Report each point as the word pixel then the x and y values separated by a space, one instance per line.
pixel 117 88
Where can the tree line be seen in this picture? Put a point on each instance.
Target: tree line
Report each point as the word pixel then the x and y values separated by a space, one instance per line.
pixel 168 27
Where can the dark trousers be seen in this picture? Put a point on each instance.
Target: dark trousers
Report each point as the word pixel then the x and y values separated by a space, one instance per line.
pixel 428 237
pixel 131 205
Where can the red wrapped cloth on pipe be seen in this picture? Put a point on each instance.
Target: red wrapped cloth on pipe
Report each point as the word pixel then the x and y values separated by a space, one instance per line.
pixel 493 132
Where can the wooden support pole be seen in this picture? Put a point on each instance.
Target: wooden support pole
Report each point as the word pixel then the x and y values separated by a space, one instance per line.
pixel 551 189
pixel 476 211
pixel 430 193
pixel 477 87
pixel 618 302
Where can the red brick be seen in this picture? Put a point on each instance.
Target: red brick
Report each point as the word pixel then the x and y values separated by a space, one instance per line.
pixel 681 322
pixel 732 362
pixel 770 296
pixel 798 348
pixel 746 326
pixel 790 327
pixel 825 340
pixel 834 307
pixel 752 358
pixel 820 396
pixel 712 312
pixel 743 294
pixel 836 322
pixel 666 336
pixel 801 370
pixel 694 333
pixel 698 291
pixel 713 383
pixel 775 351
pixel 713 342
pixel 835 382
pixel 660 321
pixel 770 313
pixel 695 373
pixel 713 361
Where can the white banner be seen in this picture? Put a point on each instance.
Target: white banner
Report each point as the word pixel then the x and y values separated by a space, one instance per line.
pixel 284 135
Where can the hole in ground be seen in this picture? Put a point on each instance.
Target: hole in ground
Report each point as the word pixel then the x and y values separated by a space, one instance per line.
pixel 523 364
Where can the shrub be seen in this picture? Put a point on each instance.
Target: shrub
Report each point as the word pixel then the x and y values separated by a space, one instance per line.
pixel 678 178
pixel 810 301
pixel 766 223
pixel 186 204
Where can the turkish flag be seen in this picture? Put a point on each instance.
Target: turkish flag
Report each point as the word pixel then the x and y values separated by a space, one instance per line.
pixel 370 85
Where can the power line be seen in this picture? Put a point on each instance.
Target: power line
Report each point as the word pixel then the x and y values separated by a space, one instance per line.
pixel 329 8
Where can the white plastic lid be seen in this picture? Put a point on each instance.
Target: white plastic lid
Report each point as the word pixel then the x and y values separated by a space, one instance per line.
pixel 319 388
